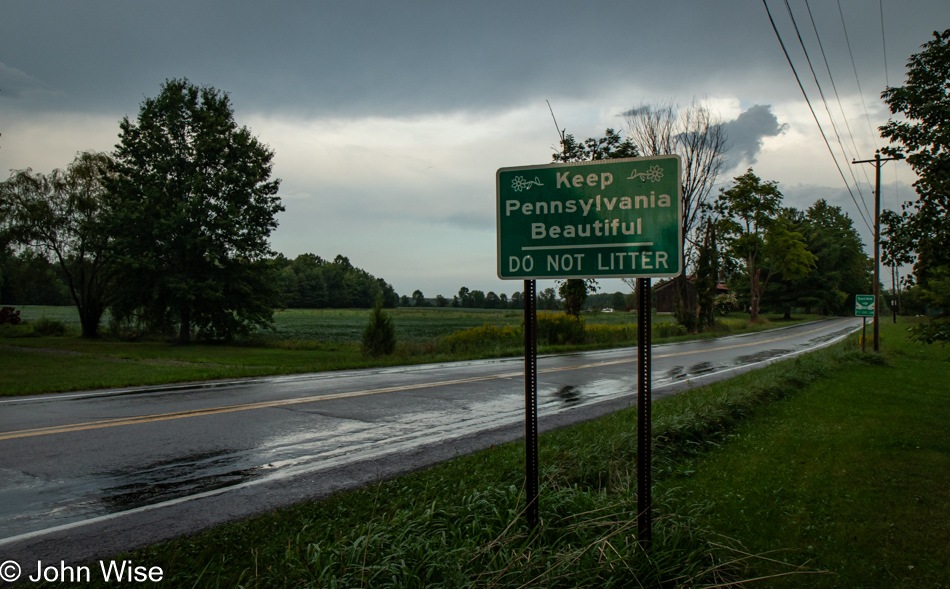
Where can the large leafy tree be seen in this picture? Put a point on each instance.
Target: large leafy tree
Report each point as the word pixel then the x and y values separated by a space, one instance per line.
pixel 338 283
pixel 841 269
pixel 759 232
pixel 923 138
pixel 58 216
pixel 190 211
pixel 311 291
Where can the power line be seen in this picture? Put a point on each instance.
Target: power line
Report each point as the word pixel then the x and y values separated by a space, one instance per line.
pixel 856 79
pixel 840 108
pixel 821 93
pixel 887 81
pixel 815 116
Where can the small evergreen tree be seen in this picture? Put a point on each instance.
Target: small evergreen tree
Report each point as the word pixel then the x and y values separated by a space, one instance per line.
pixel 379 336
pixel 707 277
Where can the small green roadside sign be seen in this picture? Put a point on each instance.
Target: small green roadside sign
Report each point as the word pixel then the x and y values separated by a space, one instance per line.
pixel 864 305
pixel 600 219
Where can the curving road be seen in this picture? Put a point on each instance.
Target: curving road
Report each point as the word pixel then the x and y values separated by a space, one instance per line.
pixel 89 474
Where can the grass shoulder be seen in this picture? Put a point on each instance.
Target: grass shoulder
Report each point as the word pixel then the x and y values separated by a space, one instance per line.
pixel 844 484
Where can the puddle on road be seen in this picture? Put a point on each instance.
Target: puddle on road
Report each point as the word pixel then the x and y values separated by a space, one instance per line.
pixel 30 502
pixel 820 339
pixel 681 372
pixel 701 368
pixel 676 373
pixel 171 479
pixel 761 356
pixel 569 395
pixel 572 395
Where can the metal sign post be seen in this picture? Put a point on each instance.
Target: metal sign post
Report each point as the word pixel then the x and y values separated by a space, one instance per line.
pixel 644 417
pixel 531 400
pixel 618 218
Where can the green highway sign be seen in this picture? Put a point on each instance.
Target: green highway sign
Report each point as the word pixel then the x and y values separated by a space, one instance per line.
pixel 864 305
pixel 600 219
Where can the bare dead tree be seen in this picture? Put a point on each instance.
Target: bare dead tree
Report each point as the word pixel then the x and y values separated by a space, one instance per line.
pixel 695 133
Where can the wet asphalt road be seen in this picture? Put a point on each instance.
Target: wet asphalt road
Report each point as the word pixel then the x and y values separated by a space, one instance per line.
pixel 85 475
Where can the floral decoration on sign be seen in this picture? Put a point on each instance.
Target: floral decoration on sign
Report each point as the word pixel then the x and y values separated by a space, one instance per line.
pixel 519 183
pixel 654 174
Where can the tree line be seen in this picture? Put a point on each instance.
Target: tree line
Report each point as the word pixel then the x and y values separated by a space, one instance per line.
pixel 478 299
pixel 27 277
pixel 170 232
pixel 310 282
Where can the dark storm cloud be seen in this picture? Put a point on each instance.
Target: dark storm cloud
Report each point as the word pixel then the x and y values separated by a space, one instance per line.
pixel 635 112
pixel 19 85
pixel 369 57
pixel 401 58
pixel 745 134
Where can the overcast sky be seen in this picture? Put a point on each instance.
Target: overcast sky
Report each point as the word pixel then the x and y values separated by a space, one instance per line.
pixel 389 119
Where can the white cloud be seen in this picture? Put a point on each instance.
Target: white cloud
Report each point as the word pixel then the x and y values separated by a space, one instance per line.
pixel 52 140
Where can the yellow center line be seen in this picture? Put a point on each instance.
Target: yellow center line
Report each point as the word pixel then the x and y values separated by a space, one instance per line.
pixel 104 423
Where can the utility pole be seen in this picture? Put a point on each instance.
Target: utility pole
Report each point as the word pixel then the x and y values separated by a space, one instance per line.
pixel 877 162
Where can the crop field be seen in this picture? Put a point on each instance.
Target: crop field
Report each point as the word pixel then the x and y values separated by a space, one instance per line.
pixel 334 326
pixel 47 355
pixel 412 325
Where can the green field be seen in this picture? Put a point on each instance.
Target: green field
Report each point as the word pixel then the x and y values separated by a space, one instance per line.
pixel 829 470
pixel 412 325
pixel 346 325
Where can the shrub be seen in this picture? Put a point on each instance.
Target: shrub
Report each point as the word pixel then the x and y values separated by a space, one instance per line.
pixel 46 326
pixel 668 329
pixel 9 316
pixel 21 330
pixel 487 335
pixel 611 334
pixel 560 328
pixel 725 304
pixel 379 336
pixel 687 319
pixel 723 326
